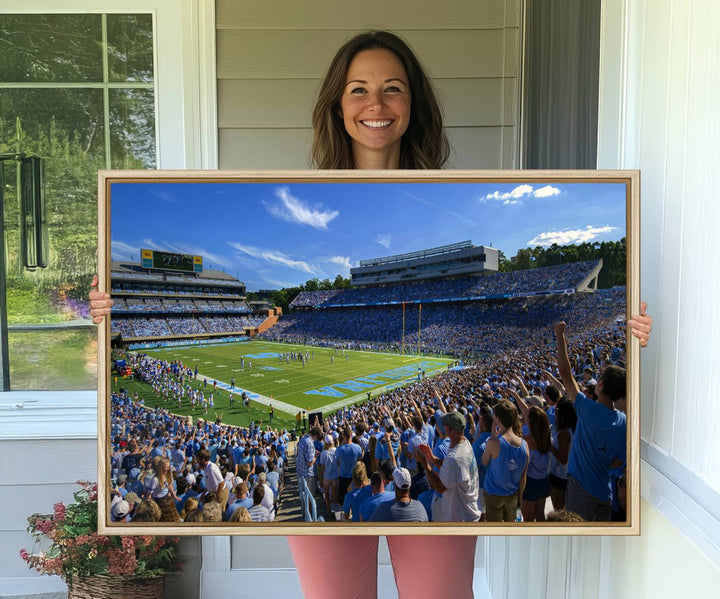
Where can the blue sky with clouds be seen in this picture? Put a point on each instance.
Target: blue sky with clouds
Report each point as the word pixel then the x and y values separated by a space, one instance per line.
pixel 273 235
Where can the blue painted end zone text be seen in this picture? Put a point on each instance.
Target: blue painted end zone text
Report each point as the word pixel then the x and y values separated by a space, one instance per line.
pixel 370 381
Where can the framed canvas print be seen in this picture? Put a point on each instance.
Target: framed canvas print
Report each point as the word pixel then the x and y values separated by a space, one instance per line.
pixel 363 352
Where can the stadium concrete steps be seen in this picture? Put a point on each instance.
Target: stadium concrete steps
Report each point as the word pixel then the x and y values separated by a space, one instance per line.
pixel 267 323
pixel 289 508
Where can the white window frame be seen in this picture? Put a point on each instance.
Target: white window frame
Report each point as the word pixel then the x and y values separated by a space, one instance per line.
pixel 185 89
pixel 186 138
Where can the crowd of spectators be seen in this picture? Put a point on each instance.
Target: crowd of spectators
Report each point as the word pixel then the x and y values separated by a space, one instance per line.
pixel 148 327
pixel 545 279
pixel 238 460
pixel 171 316
pixel 405 427
pixel 142 287
pixel 451 328
pixel 161 305
pixel 187 325
pixel 123 327
pixel 435 449
pixel 217 324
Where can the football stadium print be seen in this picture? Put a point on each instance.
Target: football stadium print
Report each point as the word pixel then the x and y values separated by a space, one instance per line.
pixel 367 352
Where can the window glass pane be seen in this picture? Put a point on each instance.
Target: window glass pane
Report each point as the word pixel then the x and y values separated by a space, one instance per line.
pixel 53 120
pixel 38 48
pixel 65 127
pixel 130 47
pixel 132 128
pixel 52 344
pixel 54 359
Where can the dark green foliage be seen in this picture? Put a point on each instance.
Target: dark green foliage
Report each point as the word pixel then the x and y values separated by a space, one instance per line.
pixel 613 254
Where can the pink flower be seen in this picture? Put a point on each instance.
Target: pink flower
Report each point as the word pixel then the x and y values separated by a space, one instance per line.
pixel 43 526
pixel 128 543
pixel 59 512
pixel 53 565
pixel 70 553
pixel 55 534
pixel 121 561
pixel 93 492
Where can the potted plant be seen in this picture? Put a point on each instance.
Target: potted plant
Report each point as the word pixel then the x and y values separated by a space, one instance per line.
pixel 67 544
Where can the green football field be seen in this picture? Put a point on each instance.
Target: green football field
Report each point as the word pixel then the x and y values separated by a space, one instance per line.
pixel 328 380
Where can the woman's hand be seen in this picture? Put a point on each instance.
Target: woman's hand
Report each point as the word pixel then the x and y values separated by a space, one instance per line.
pixel 100 303
pixel 641 325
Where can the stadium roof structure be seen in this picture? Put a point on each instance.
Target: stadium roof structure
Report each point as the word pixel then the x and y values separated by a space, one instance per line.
pixel 443 249
pixel 452 260
pixel 134 272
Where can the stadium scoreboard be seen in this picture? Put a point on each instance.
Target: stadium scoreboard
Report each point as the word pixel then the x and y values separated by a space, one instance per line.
pixel 170 261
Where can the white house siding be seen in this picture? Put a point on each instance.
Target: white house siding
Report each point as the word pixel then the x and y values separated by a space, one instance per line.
pixel 44 449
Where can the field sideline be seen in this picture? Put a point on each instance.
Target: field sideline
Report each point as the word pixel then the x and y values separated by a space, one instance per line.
pixel 328 381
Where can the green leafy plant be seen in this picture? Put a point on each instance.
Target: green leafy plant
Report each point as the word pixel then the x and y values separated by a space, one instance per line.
pixel 77 550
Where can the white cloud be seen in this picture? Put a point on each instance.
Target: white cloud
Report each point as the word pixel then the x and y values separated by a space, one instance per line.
pixel 383 240
pixel 520 191
pixel 546 192
pixel 273 257
pixel 342 261
pixel 294 211
pixel 151 245
pixel 119 250
pixel 510 198
pixel 569 237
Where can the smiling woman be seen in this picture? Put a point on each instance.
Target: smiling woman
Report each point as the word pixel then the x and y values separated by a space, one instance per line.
pixel 375 108
pixel 381 70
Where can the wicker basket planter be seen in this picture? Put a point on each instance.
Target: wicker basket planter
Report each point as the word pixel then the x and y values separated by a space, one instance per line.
pixel 96 566
pixel 116 587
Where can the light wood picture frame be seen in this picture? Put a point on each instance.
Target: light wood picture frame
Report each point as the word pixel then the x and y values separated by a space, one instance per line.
pixel 337 219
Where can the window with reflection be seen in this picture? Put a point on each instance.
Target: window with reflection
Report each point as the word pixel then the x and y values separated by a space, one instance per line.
pixel 78 91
